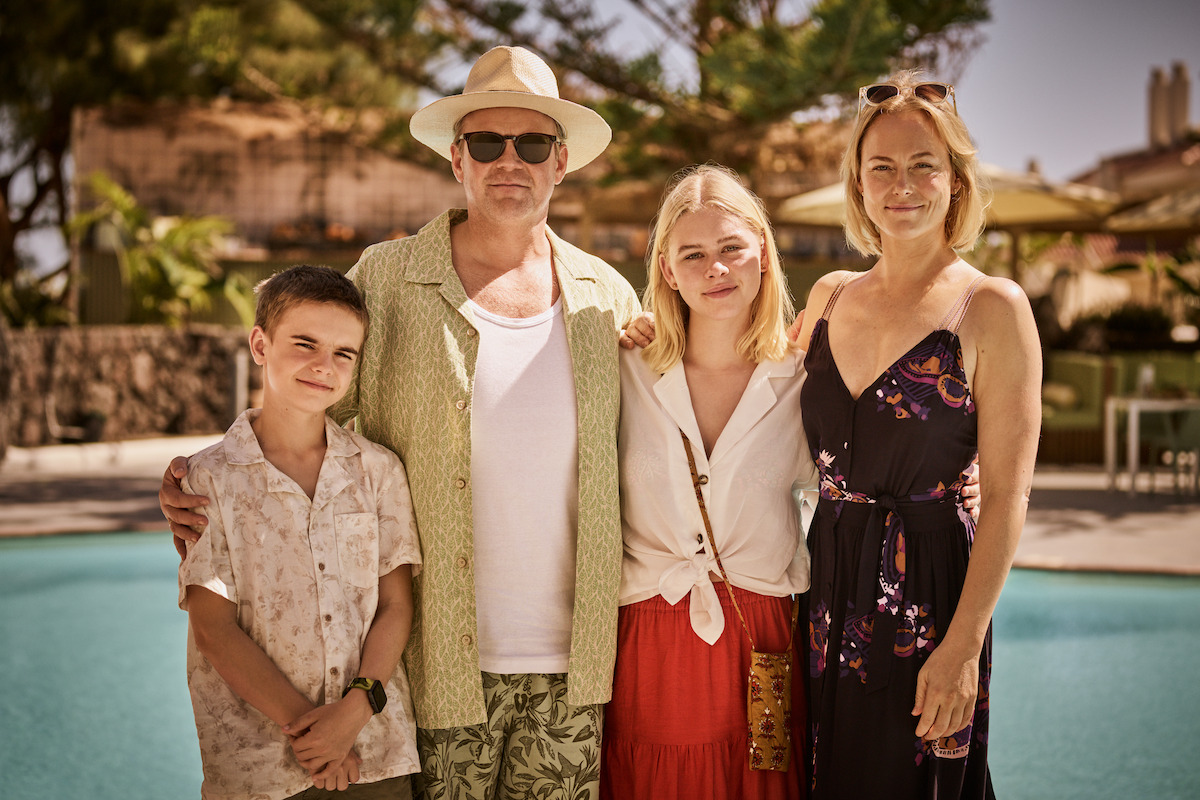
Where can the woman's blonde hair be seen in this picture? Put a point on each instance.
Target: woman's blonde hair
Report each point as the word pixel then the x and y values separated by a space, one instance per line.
pixel 711 186
pixel 965 219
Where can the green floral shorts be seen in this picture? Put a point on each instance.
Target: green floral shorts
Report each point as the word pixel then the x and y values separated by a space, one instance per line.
pixel 533 745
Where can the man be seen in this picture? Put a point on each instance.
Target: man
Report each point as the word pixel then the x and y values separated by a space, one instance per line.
pixel 492 372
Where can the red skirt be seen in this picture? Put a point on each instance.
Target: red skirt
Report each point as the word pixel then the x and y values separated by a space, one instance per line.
pixel 676 726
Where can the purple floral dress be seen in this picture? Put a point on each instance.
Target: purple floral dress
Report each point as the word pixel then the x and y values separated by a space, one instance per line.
pixel 890 545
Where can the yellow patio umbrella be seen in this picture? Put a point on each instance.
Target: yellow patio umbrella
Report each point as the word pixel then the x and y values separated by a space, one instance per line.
pixel 824 207
pixel 1020 202
pixel 1026 201
pixel 1177 212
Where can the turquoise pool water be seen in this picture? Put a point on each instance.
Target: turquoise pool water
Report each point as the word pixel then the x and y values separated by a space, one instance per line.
pixel 1095 691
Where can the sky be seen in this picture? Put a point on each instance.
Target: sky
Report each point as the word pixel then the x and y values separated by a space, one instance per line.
pixel 1062 81
pixel 1066 81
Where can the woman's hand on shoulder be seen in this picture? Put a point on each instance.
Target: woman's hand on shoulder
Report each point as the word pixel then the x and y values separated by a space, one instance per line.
pixel 796 326
pixel 639 332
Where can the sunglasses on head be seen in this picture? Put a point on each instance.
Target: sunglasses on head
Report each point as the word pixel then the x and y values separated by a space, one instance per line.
pixel 879 93
pixel 533 148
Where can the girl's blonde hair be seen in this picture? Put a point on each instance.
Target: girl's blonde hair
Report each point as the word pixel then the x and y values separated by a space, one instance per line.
pixel 718 188
pixel 966 217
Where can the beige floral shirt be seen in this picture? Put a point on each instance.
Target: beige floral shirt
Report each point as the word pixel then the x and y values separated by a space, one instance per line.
pixel 413 396
pixel 305 578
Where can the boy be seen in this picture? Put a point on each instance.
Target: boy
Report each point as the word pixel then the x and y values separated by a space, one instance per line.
pixel 299 598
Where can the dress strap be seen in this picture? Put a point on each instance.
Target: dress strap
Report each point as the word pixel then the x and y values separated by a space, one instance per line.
pixel 833 297
pixel 959 309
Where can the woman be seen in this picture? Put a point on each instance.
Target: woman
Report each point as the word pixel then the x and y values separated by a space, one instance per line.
pixel 913 366
pixel 722 372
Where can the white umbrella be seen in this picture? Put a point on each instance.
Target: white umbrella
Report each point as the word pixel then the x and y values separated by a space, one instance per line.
pixel 1076 294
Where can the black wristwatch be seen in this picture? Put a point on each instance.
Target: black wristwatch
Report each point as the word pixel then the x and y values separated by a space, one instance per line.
pixel 376 696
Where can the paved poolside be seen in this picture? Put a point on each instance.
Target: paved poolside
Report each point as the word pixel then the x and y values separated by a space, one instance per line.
pixel 1074 521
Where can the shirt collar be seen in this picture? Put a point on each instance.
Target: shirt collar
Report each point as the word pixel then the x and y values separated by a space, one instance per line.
pixel 241 445
pixel 440 269
pixel 242 448
pixel 671 389
pixel 437 266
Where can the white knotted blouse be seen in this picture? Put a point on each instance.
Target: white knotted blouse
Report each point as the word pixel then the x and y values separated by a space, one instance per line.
pixel 759 466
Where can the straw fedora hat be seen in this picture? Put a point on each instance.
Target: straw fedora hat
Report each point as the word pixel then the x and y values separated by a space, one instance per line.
pixel 513 77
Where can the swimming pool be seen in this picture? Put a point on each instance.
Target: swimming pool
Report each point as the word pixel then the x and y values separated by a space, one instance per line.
pixel 1094 693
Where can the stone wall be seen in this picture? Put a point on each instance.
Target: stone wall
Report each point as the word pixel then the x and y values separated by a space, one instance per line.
pixel 104 382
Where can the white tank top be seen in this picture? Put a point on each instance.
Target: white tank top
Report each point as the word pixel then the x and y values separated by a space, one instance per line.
pixel 525 485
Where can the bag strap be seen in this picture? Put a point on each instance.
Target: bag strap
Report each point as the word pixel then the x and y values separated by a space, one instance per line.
pixel 712 543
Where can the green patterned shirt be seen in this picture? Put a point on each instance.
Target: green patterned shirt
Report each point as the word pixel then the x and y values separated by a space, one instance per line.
pixel 413 395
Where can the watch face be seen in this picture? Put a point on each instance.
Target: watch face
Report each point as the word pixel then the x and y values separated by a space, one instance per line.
pixel 377 696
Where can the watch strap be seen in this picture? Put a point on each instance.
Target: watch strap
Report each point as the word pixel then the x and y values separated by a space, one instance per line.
pixel 376 695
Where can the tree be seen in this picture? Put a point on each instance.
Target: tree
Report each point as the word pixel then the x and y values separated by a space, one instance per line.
pixel 749 65
pixel 754 63
pixel 60 55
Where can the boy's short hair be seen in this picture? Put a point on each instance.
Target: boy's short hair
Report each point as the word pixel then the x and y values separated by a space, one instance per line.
pixel 305 283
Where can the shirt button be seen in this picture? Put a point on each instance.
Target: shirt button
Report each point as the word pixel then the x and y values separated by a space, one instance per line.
pixel 460 483
pixel 700 538
pixel 321 566
pixel 329 618
pixel 460 405
pixel 462 562
pixel 703 480
pixel 466 640
pixel 333 671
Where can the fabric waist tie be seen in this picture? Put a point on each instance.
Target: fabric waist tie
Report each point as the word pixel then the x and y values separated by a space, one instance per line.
pixel 880 587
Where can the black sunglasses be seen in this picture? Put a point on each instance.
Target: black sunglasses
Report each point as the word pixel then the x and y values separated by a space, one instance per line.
pixel 533 148
pixel 878 93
